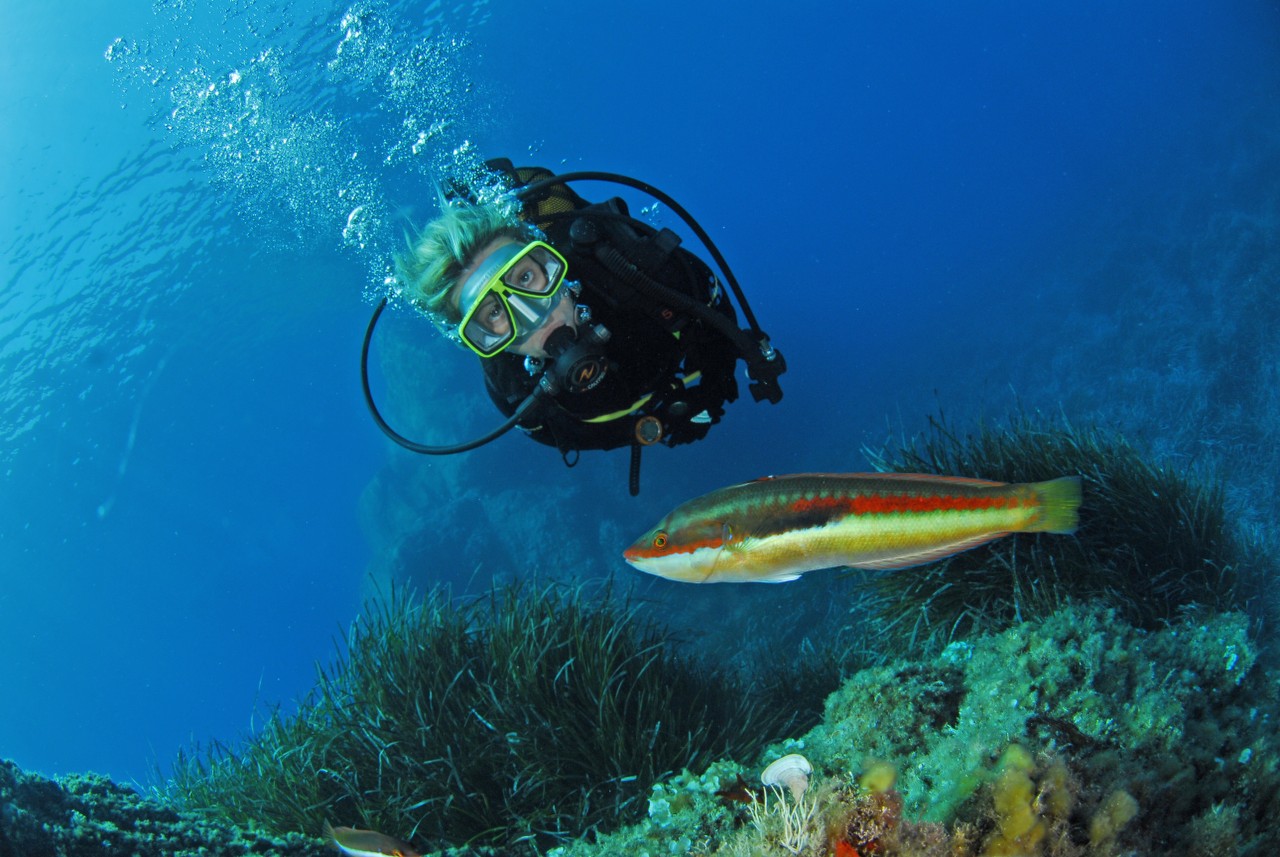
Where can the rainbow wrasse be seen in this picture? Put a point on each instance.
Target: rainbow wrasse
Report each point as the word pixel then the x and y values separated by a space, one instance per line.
pixel 776 528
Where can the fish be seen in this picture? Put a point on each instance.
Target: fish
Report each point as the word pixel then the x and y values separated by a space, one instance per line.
pixel 366 843
pixel 774 529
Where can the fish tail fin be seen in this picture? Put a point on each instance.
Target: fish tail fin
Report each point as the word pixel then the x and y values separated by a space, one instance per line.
pixel 1059 505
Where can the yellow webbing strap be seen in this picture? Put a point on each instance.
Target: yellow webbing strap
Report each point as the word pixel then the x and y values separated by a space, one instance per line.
pixel 692 378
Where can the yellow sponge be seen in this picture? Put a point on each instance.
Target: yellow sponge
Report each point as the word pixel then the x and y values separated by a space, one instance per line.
pixel 1116 811
pixel 1019 828
pixel 878 777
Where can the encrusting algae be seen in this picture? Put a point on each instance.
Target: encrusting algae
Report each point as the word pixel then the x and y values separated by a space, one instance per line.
pixel 1079 735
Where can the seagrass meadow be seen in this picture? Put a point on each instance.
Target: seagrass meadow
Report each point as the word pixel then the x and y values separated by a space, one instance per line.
pixel 1155 539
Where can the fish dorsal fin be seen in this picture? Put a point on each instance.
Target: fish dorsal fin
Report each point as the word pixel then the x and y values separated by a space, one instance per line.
pixel 933 477
pixel 886 475
pixel 907 560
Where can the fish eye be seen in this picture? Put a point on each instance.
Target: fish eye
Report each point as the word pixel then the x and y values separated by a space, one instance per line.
pixel 660 540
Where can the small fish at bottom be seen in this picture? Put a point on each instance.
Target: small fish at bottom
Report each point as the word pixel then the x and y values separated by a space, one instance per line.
pixel 776 528
pixel 366 843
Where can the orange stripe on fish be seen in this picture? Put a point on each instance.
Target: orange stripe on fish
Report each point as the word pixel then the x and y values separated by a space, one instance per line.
pixel 366 843
pixel 776 528
pixel 893 503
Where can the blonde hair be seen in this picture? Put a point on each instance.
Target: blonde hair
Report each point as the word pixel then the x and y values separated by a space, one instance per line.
pixel 429 268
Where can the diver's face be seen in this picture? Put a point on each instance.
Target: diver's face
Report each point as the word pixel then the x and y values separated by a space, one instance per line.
pixel 492 316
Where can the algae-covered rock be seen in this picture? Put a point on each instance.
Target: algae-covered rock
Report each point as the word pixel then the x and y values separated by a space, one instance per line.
pixel 91 815
pixel 1081 683
pixel 1164 716
pixel 1078 734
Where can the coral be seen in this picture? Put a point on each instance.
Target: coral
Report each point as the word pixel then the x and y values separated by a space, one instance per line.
pixel 532 715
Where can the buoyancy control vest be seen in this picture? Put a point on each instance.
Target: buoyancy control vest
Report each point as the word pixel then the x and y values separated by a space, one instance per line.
pixel 669 373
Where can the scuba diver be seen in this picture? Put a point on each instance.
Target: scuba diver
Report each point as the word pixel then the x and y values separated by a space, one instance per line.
pixel 594 330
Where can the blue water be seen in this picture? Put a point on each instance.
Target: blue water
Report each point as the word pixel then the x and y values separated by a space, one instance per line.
pixel 925 203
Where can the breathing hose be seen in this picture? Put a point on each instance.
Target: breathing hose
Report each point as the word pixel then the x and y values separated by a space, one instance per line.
pixel 525 406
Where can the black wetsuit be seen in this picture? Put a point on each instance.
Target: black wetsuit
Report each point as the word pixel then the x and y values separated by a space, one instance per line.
pixel 650 348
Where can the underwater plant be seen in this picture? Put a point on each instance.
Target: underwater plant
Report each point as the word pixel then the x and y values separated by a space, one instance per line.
pixel 1154 540
pixel 531 715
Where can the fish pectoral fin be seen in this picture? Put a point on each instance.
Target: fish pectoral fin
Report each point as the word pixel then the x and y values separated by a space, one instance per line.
pixel 932 554
pixel 780 578
pixel 726 537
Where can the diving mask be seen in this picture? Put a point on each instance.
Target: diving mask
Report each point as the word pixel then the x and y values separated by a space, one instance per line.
pixel 509 296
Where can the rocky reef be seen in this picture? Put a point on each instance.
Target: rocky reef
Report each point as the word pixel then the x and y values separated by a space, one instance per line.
pixel 1075 735
pixel 83 815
